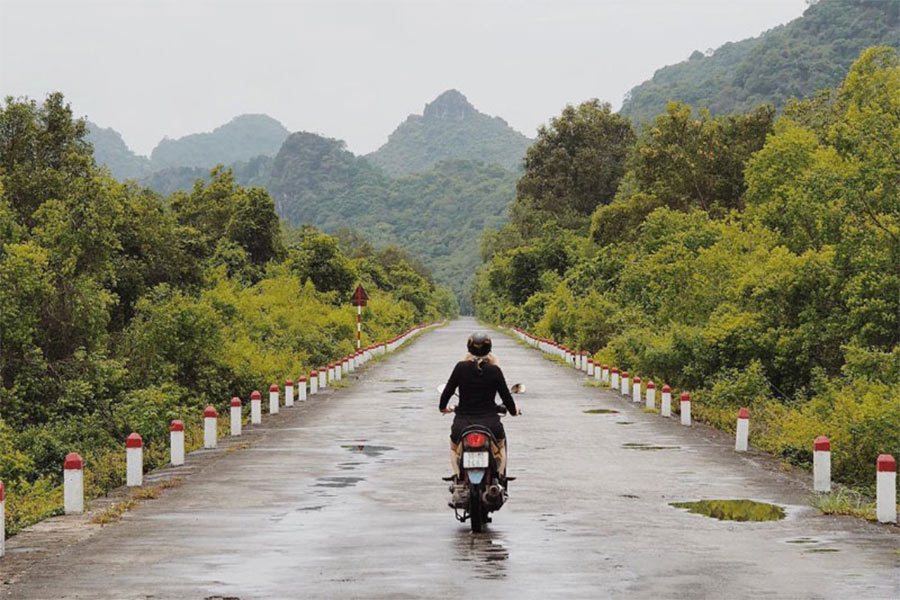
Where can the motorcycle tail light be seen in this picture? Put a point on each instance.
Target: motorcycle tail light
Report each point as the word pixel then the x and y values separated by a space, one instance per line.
pixel 476 440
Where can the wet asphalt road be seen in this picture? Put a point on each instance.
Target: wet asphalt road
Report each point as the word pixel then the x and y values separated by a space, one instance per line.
pixel 344 500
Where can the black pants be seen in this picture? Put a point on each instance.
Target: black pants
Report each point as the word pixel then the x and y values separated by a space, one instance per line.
pixel 461 422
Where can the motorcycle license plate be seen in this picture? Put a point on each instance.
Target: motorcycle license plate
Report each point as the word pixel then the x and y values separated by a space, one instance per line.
pixel 475 460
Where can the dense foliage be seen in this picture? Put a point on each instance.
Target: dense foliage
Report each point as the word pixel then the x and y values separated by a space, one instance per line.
pixel 810 53
pixel 242 138
pixel 437 214
pixel 450 128
pixel 755 264
pixel 123 310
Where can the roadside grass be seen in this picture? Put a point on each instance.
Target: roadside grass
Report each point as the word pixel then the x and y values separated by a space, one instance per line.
pixel 649 410
pixel 844 502
pixel 236 447
pixel 594 383
pixel 114 513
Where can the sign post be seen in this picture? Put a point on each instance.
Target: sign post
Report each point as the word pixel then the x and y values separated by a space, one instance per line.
pixel 360 298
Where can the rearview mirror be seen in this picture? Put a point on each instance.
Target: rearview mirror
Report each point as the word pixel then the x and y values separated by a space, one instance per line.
pixel 517 388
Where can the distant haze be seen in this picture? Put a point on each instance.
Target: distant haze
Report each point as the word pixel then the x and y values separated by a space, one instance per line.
pixel 351 70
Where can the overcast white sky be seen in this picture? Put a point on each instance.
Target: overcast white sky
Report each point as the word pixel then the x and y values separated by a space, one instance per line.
pixel 349 69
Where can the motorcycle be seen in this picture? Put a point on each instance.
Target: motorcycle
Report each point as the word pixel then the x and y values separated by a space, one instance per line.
pixel 479 489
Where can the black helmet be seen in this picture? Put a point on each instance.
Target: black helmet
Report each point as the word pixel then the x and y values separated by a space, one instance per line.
pixel 479 344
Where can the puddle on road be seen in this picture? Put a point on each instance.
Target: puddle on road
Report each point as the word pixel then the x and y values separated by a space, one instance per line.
pixel 348 466
pixel 367 449
pixel 485 556
pixel 632 496
pixel 803 540
pixel 310 508
pixel 338 482
pixel 406 389
pixel 821 550
pixel 624 422
pixel 734 510
pixel 410 407
pixel 392 380
pixel 635 446
pixel 601 411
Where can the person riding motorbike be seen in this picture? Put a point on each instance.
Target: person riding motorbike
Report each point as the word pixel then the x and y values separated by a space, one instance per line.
pixel 479 379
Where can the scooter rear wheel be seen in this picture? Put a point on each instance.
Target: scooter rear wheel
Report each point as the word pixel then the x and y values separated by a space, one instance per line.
pixel 476 510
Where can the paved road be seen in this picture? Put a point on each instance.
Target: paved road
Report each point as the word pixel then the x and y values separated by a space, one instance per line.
pixel 303 513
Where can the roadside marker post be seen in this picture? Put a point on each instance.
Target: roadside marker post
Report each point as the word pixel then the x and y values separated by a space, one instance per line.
pixel 590 367
pixel 210 422
pixel 360 299
pixel 323 378
pixel 636 397
pixel 235 408
pixel 73 484
pixel 886 489
pixel 685 409
pixel 742 433
pixel 626 384
pixel 255 408
pixel 176 442
pixel 289 392
pixel 313 382
pixel 614 378
pixel 301 388
pixel 134 460
pixel 273 399
pixel 822 464
pixel 651 395
pixel 604 374
pixel 665 406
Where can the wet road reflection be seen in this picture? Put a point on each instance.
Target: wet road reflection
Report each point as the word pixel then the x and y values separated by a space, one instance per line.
pixel 483 554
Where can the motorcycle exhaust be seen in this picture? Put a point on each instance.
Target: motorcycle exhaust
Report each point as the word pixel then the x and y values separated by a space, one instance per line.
pixel 493 496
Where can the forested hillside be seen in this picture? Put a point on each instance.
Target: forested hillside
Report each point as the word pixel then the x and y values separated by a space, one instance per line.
pixel 111 150
pixel 242 138
pixel 753 261
pixel 123 310
pixel 450 128
pixel 437 214
pixel 794 60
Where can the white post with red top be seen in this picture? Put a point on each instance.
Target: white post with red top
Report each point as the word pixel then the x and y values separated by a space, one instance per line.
pixel 323 378
pixel 626 384
pixel 742 433
pixel 590 367
pixel 289 392
pixel 665 402
pixel 134 460
pixel 301 388
pixel 685 408
pixel 636 393
pixel 585 365
pixel 255 408
pixel 338 371
pixel 313 382
pixel 273 399
pixel 73 484
pixel 176 442
pixel 650 401
pixel 210 423
pixel 822 464
pixel 235 416
pixel 886 489
pixel 604 374
pixel 614 378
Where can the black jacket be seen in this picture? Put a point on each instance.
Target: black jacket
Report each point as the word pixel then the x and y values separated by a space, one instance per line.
pixel 477 389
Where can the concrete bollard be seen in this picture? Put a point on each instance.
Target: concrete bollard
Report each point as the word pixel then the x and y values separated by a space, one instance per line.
pixel 273 399
pixel 345 367
pixel 567 356
pixel 626 384
pixel 331 373
pixel 585 362
pixel 742 433
pixel 351 364
pixel 604 374
pixel 313 382
pixel 176 442
pixel 134 460
pixel 590 367
pixel 614 378
pixel 338 371
pixel 255 408
pixel 685 409
pixel 2 520
pixel 73 484
pixel 636 389
pixel 886 489
pixel 235 414
pixel 822 464
pixel 665 402
pixel 323 378
pixel 210 424
pixel 651 395
pixel 289 392
pixel 598 373
pixel 301 388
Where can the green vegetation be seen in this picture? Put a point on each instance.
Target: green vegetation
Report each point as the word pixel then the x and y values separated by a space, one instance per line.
pixel 123 310
pixel 242 138
pixel 450 128
pixel 437 214
pixel 810 53
pixel 734 510
pixel 754 263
